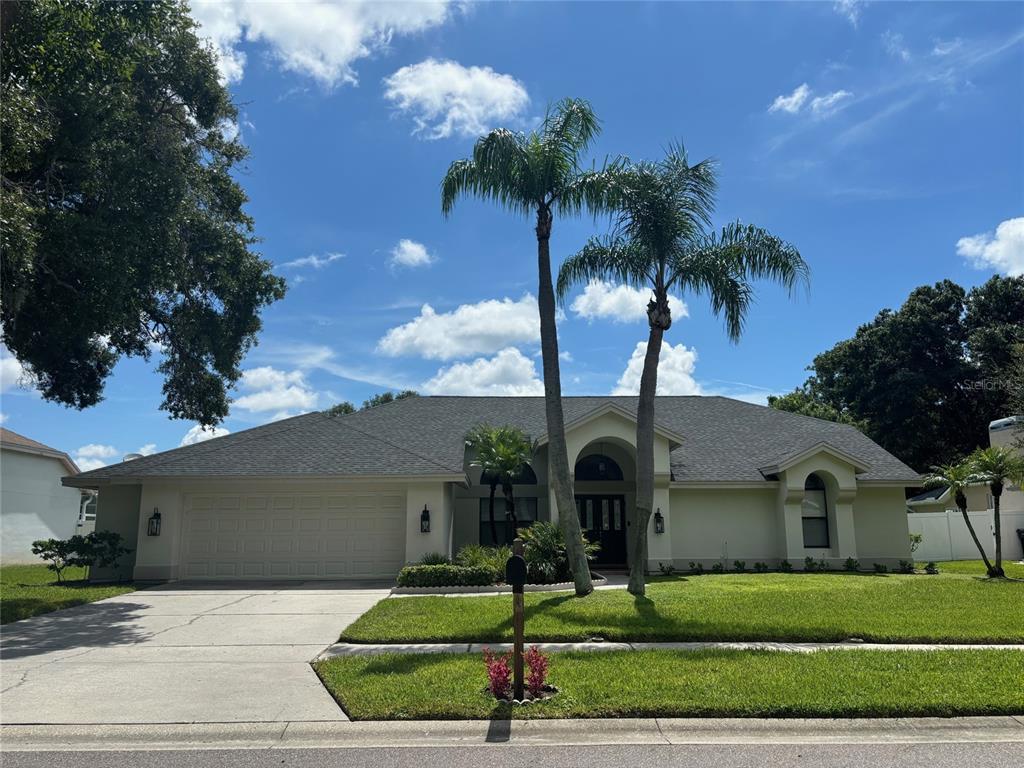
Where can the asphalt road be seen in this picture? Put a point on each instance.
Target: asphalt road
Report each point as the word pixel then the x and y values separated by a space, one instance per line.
pixel 941 755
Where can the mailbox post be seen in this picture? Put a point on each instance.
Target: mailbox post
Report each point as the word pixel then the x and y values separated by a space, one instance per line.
pixel 515 576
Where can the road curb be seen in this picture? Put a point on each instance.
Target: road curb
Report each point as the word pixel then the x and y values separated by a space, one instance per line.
pixel 477 733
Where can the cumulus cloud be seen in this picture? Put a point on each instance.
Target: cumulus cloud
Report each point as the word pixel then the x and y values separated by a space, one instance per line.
pixel 470 329
pixel 444 98
pixel 269 390
pixel 147 449
pixel 675 371
pixel 12 374
pixel 94 456
pixel 200 434
pixel 314 261
pixel 509 373
pixel 1002 251
pixel 317 39
pixel 793 102
pixel 619 303
pixel 409 253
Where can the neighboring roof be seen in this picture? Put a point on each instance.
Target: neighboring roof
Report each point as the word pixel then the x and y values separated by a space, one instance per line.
pixel 15 442
pixel 930 496
pixel 722 440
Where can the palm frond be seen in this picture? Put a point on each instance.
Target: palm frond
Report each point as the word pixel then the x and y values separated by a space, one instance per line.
pixel 569 127
pixel 757 254
pixel 603 259
pixel 499 170
pixel 597 191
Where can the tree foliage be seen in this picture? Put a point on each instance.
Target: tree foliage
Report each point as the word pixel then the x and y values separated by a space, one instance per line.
pixel 802 401
pixel 502 454
pixel 383 398
pixel 926 379
pixel 123 226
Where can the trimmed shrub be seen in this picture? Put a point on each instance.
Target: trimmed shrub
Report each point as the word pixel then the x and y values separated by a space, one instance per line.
pixel 881 568
pixel 851 564
pixel 718 568
pixel 444 575
pixel 740 566
pixel 477 556
pixel 434 558
pixel 785 566
pixel 761 567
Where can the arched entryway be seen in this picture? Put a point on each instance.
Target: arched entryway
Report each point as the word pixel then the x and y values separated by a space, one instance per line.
pixel 605 488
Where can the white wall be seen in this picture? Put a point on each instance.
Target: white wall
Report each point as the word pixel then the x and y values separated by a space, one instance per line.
pixel 33 504
pixel 735 523
pixel 944 535
pixel 880 521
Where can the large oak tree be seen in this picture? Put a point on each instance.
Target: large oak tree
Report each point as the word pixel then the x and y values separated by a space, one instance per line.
pixel 123 227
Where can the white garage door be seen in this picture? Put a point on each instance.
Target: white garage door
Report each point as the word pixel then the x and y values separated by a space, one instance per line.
pixel 347 535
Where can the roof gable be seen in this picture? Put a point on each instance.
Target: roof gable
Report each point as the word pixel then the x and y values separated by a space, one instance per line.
pixel 610 407
pixel 859 465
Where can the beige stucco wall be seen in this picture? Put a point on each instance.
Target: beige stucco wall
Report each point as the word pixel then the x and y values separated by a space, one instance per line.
pixel 710 524
pixel 117 510
pixel 33 504
pixel 880 519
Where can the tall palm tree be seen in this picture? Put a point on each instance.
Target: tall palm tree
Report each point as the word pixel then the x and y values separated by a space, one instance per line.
pixel 996 466
pixel 502 453
pixel 958 478
pixel 660 240
pixel 539 174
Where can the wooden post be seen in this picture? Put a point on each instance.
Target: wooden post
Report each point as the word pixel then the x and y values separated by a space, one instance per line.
pixel 517 627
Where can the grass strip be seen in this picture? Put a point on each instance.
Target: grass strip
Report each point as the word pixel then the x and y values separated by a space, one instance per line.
pixel 30 590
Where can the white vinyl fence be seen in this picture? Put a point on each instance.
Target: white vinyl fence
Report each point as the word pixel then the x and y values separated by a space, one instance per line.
pixel 944 535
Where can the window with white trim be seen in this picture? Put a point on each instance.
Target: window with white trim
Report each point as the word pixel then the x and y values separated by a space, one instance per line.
pixel 814 513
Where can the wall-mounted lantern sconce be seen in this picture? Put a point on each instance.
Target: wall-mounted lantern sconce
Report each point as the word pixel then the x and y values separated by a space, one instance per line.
pixel 154 523
pixel 425 520
pixel 659 522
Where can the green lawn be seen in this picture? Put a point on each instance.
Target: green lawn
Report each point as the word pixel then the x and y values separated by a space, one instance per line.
pixel 1012 569
pixel 28 590
pixel 784 607
pixel 690 684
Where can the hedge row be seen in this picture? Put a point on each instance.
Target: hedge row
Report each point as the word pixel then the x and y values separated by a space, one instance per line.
pixel 445 575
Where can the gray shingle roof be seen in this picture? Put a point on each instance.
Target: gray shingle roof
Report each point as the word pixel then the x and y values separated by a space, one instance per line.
pixel 724 440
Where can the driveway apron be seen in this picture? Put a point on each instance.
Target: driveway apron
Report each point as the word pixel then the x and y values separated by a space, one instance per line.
pixel 181 653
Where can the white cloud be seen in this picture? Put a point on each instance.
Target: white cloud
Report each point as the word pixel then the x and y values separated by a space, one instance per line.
pixel 470 329
pixel 793 102
pixel 271 390
pixel 317 39
pixel 12 374
pixel 445 98
pixel 3 418
pixel 825 106
pixel 849 10
pixel 895 45
pixel 314 261
pixel 200 434
pixel 1003 252
pixel 148 449
pixel 409 253
pixel 94 456
pixel 619 303
pixel 508 373
pixel 946 47
pixel 675 371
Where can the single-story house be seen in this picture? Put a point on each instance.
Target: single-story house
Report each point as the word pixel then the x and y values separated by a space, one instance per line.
pixel 34 504
pixel 359 495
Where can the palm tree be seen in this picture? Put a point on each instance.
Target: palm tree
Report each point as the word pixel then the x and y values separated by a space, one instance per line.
pixel 539 174
pixel 660 240
pixel 996 466
pixel 958 478
pixel 501 452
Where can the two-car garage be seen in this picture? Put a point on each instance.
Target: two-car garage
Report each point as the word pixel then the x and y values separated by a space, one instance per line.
pixel 288 535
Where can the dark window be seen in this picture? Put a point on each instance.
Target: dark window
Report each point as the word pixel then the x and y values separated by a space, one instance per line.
pixel 814 512
pixel 526 515
pixel 598 467
pixel 526 477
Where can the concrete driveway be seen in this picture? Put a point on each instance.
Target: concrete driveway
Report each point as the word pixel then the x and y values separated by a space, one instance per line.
pixel 180 653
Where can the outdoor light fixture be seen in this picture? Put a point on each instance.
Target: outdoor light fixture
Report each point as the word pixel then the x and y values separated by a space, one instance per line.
pixel 659 522
pixel 154 523
pixel 425 520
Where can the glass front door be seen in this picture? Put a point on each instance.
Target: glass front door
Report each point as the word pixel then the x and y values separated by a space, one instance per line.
pixel 603 520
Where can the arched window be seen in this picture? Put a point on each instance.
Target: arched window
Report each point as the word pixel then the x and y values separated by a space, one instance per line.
pixel 814 512
pixel 598 467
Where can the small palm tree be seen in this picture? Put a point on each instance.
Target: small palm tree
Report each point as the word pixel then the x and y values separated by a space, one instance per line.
pixel 995 467
pixel 539 174
pixel 958 478
pixel 501 454
pixel 660 241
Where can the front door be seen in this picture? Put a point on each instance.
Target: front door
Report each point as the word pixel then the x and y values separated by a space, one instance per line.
pixel 603 520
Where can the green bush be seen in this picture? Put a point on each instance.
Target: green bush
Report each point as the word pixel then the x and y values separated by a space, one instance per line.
pixel 851 564
pixel 434 558
pixel 99 548
pixel 740 566
pixel 445 575
pixel 906 566
pixel 477 556
pixel 785 566
pixel 881 568
pixel 761 567
pixel 546 561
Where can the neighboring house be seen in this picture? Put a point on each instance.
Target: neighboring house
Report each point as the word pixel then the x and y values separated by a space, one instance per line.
pixel 33 502
pixel 935 516
pixel 360 495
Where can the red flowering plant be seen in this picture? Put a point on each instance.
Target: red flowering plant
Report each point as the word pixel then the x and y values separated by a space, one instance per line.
pixel 538 663
pixel 499 674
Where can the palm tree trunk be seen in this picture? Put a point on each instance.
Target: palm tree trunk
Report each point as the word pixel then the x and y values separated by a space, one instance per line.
pixel 962 506
pixel 644 463
pixel 997 491
pixel 490 512
pixel 558 459
pixel 510 506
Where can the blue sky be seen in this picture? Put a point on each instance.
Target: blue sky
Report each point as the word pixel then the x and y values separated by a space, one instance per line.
pixel 884 140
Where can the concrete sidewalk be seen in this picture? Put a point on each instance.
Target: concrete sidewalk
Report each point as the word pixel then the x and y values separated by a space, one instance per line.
pixel 374 649
pixel 476 733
